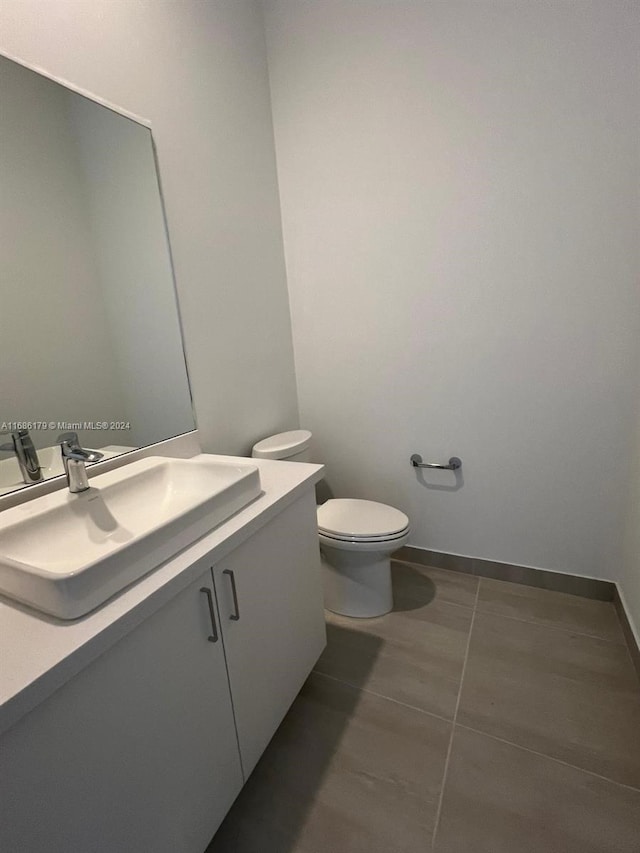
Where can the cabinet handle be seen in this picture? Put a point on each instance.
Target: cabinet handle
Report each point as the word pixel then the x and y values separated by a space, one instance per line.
pixel 234 616
pixel 214 637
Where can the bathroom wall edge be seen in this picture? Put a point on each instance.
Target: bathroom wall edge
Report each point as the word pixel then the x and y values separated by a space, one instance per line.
pixel 633 644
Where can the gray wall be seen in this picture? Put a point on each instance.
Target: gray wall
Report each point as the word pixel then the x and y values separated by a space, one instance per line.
pixel 460 209
pixel 198 72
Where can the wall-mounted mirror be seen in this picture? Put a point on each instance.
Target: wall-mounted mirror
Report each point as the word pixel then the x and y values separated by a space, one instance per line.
pixel 90 336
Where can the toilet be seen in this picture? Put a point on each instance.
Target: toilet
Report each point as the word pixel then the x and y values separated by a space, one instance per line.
pixel 357 538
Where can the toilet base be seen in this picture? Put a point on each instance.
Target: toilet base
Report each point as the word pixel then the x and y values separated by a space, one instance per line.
pixel 355 583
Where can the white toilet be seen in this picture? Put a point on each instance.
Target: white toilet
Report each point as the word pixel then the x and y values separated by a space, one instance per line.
pixel 357 538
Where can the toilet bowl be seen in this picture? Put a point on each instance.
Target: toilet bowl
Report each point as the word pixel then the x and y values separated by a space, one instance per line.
pixel 357 538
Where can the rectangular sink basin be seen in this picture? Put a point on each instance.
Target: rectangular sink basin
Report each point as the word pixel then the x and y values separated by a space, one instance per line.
pixel 66 554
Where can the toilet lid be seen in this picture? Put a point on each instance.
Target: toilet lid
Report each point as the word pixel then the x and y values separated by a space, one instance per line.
pixel 282 445
pixel 358 519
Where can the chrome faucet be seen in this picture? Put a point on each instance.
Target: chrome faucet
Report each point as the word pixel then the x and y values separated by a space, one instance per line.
pixel 22 445
pixel 74 459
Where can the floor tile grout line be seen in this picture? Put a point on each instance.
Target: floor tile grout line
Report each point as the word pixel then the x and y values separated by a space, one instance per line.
pixel 477 601
pixel 382 696
pixel 436 822
pixel 440 601
pixel 540 624
pixel 550 758
pixel 455 604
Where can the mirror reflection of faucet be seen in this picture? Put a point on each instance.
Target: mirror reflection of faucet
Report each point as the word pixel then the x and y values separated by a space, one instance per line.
pixel 74 459
pixel 22 445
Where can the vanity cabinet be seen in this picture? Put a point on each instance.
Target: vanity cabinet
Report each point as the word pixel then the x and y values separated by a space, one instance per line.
pixel 144 750
pixel 137 752
pixel 280 633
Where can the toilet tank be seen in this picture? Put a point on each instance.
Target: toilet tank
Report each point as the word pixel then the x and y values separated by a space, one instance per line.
pixel 292 446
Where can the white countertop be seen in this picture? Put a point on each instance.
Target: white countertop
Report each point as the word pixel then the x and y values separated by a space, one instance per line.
pixel 38 654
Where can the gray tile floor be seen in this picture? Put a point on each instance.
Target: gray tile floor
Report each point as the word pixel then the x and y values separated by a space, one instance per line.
pixel 477 717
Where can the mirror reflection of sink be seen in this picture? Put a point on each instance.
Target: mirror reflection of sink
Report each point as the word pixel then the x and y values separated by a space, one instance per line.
pixel 50 462
pixel 66 554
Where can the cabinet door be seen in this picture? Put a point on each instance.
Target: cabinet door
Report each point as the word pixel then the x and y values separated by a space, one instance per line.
pixel 136 753
pixel 279 635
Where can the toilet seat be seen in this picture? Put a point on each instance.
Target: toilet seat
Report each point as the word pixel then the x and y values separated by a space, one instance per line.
pixel 379 546
pixel 359 521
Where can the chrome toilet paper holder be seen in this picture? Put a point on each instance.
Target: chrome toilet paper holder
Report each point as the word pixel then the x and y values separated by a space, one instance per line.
pixel 454 463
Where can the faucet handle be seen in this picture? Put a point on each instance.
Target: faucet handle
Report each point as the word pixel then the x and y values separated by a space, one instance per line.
pixel 77 453
pixel 70 438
